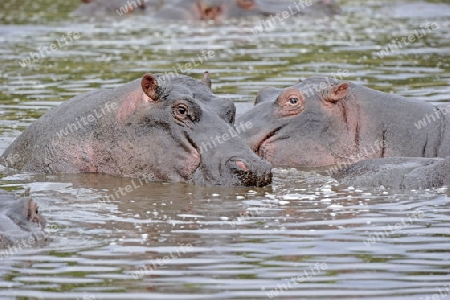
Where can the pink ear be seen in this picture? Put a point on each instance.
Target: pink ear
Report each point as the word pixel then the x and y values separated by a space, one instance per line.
pixel 246 4
pixel 339 92
pixel 149 85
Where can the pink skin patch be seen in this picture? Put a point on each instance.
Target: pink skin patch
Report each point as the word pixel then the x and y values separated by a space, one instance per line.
pixel 192 163
pixel 266 150
pixel 86 159
pixel 273 152
pixel 129 105
pixel 241 165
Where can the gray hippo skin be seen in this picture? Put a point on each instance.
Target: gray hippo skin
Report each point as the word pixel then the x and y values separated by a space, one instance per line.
pixel 196 10
pixel 20 221
pixel 220 10
pixel 417 10
pixel 323 121
pixel 397 173
pixel 152 127
pixel 97 8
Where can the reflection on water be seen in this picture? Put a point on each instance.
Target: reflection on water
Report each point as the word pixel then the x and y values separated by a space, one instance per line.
pixel 190 242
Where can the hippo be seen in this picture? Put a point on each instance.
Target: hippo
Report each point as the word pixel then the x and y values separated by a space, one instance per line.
pixel 164 127
pixel 397 173
pixel 117 7
pixel 324 121
pixel 417 10
pixel 20 222
pixel 220 10
pixel 216 10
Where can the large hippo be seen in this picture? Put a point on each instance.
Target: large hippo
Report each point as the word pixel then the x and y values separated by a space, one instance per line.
pixel 397 173
pixel 323 121
pixel 21 223
pixel 161 127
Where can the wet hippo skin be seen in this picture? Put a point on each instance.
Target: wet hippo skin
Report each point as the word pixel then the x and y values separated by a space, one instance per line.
pixel 103 8
pixel 20 222
pixel 154 127
pixel 220 10
pixel 397 173
pixel 322 121
pixel 196 10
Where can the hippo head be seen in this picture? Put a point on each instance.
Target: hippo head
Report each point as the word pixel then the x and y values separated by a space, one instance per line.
pixel 311 124
pixel 31 209
pixel 246 8
pixel 177 132
pixel 25 212
pixel 219 10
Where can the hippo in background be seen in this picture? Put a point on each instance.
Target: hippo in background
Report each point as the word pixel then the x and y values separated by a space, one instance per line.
pixel 397 173
pixel 103 8
pixel 221 10
pixel 417 10
pixel 323 121
pixel 21 223
pixel 160 127
pixel 216 10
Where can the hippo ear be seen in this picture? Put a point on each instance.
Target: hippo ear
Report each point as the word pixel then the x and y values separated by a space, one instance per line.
pixel 206 80
pixel 149 86
pixel 267 94
pixel 246 4
pixel 28 206
pixel 338 92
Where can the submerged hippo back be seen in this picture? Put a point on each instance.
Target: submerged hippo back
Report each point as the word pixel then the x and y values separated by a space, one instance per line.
pixel 397 173
pixel 63 130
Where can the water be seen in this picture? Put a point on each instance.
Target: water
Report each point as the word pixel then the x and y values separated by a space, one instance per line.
pixel 176 241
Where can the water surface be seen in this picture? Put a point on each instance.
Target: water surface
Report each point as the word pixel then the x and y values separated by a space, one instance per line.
pixel 193 242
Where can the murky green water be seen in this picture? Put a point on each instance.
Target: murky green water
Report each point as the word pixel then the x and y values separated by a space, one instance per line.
pixel 222 243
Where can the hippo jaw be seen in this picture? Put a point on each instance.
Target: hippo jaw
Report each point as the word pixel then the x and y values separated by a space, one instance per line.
pixel 230 163
pixel 265 147
pixel 248 172
pixel 279 149
pixel 236 171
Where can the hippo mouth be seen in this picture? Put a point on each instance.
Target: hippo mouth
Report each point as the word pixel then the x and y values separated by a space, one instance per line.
pixel 265 148
pixel 193 162
pixel 248 174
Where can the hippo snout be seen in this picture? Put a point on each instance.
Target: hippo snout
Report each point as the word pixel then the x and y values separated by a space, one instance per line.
pixel 251 172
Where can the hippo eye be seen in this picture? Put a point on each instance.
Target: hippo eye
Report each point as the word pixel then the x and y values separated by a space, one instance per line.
pixel 181 111
pixel 293 100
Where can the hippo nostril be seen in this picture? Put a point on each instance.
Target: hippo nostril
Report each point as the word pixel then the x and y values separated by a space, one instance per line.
pixel 241 165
